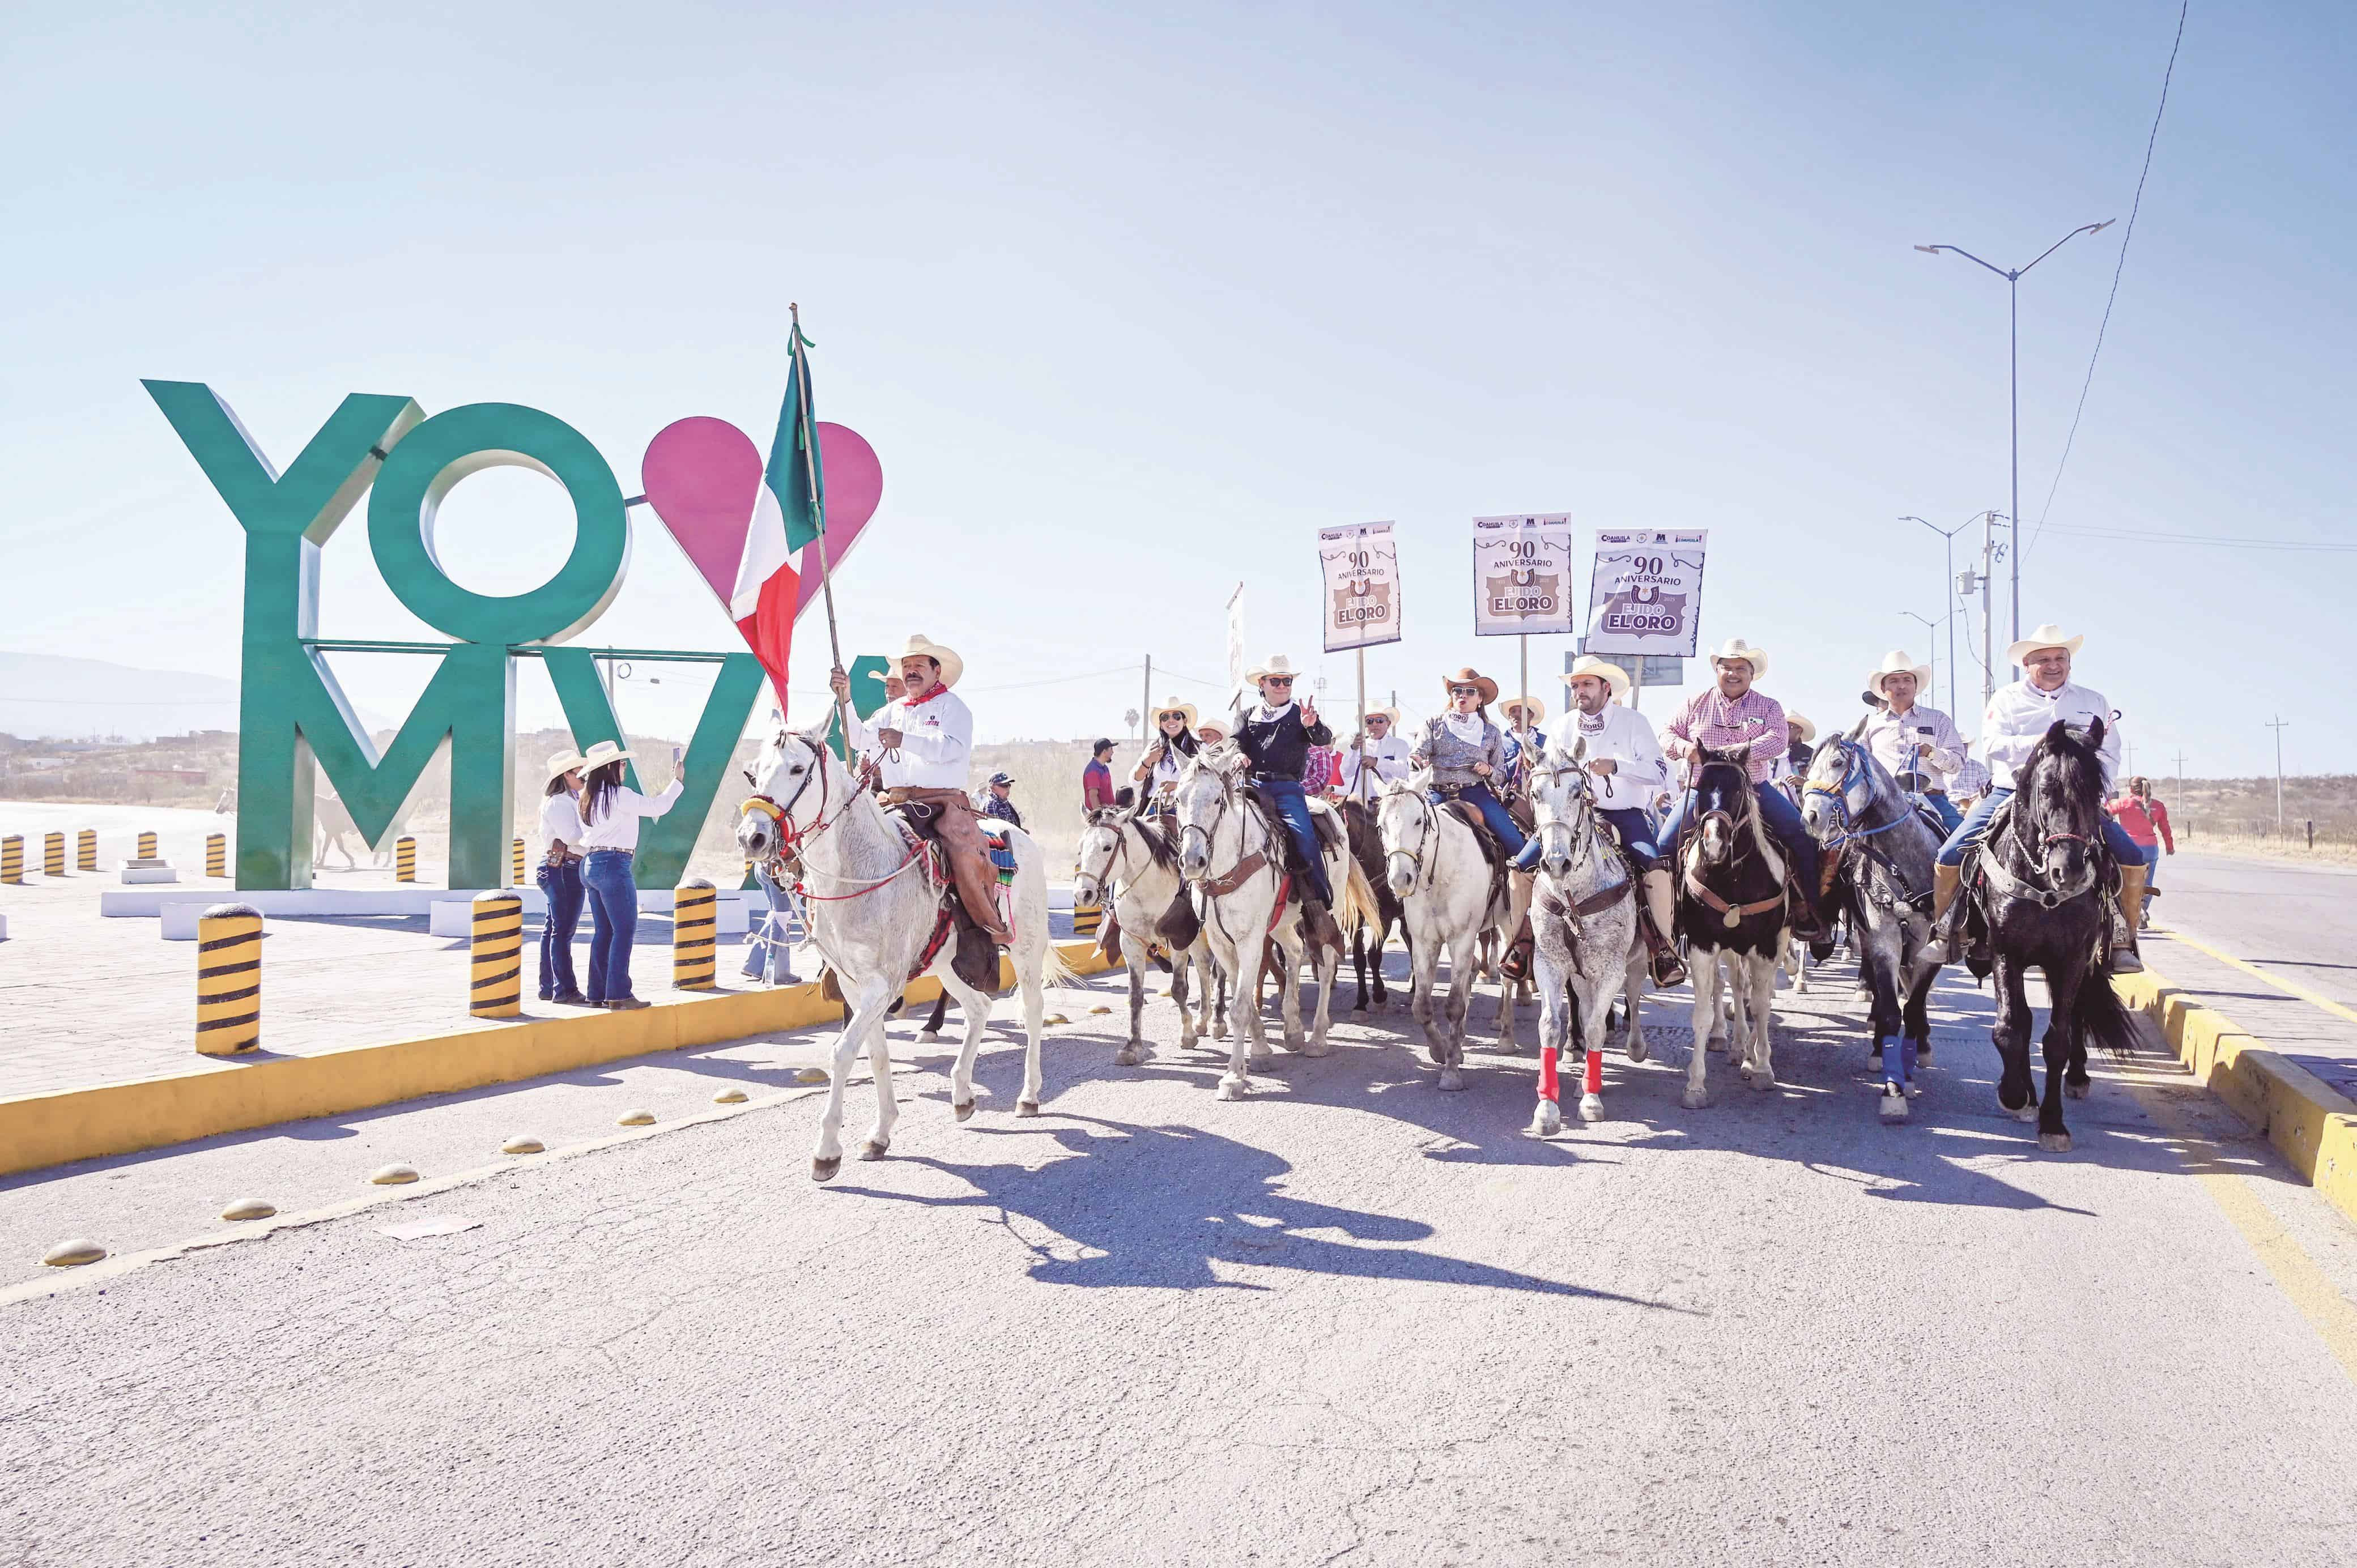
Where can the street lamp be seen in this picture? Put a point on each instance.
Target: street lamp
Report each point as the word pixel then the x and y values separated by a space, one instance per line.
pixel 2012 278
pixel 1933 627
pixel 1948 536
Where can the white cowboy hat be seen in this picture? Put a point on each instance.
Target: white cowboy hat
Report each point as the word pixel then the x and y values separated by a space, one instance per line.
pixel 564 762
pixel 1800 721
pixel 1897 662
pixel 922 646
pixel 2047 636
pixel 1389 715
pixel 1735 647
pixel 1173 705
pixel 603 752
pixel 1274 664
pixel 1537 708
pixel 1218 732
pixel 1612 675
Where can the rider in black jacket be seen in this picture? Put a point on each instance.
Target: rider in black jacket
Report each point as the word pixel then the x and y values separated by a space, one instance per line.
pixel 1276 736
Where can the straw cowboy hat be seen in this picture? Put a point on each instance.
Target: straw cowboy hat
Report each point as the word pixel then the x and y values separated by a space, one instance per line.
pixel 922 646
pixel 1612 675
pixel 1800 721
pixel 1897 662
pixel 564 762
pixel 1218 732
pixel 1173 705
pixel 1735 647
pixel 1389 715
pixel 1274 664
pixel 2047 636
pixel 1537 708
pixel 1468 676
pixel 602 753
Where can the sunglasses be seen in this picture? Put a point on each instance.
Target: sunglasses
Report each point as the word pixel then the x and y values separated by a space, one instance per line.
pixel 1464 690
pixel 1276 680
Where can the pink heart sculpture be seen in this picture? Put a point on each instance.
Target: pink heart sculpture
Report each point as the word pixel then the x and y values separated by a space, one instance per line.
pixel 703 474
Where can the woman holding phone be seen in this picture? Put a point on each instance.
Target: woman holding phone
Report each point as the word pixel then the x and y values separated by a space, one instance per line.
pixel 611 812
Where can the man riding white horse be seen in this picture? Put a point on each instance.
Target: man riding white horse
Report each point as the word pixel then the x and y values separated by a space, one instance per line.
pixel 1919 745
pixel 1276 736
pixel 1387 752
pixel 2018 717
pixel 1626 761
pixel 1733 712
pixel 924 750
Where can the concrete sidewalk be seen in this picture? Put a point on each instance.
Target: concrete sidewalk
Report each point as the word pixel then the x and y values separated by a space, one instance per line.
pixel 2319 1040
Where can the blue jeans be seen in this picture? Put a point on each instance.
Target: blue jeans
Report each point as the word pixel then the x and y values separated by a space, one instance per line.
pixel 562 886
pixel 1493 812
pixel 614 900
pixel 1636 831
pixel 1949 818
pixel 767 956
pixel 2125 849
pixel 1291 803
pixel 1783 819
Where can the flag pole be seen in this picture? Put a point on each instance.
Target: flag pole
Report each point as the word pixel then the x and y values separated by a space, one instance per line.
pixel 818 516
pixel 1360 781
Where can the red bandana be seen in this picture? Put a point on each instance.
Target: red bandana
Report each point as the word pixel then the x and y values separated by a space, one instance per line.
pixel 936 689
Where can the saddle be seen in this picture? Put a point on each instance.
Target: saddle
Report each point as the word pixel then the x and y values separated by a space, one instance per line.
pixel 1491 849
pixel 1969 916
pixel 976 962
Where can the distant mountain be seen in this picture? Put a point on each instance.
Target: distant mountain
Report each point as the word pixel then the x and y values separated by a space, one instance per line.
pixel 43 696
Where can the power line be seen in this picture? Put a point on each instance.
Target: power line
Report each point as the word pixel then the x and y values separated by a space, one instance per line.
pixel 2126 239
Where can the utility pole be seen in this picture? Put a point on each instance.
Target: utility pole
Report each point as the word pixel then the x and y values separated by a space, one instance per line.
pixel 1966 580
pixel 2278 726
pixel 2181 771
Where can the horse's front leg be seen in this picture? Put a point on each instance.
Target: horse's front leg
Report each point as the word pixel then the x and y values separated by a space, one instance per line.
pixel 1328 962
pixel 1245 1047
pixel 1595 1000
pixel 2012 1037
pixel 1763 974
pixel 1424 959
pixel 1915 1014
pixel 1635 981
pixel 1359 966
pixel 1507 1044
pixel 1464 955
pixel 1288 987
pixel 1555 1023
pixel 1133 958
pixel 1181 969
pixel 2062 1039
pixel 888 1104
pixel 1704 1019
pixel 868 1013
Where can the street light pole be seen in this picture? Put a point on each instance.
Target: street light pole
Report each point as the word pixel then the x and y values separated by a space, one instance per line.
pixel 1933 626
pixel 1948 543
pixel 2278 726
pixel 2012 278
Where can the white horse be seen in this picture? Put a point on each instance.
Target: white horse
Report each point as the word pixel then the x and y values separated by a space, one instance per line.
pixel 1584 916
pixel 872 910
pixel 1235 856
pixel 1138 852
pixel 1434 861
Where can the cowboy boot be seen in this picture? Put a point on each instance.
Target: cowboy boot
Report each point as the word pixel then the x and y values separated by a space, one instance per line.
pixel 977 885
pixel 1318 922
pixel 1946 881
pixel 1517 962
pixel 1656 921
pixel 2124 948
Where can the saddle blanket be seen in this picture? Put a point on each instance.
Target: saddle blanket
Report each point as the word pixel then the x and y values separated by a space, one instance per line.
pixel 1002 855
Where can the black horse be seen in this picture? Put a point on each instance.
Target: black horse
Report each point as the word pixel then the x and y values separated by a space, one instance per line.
pixel 1730 907
pixel 2040 887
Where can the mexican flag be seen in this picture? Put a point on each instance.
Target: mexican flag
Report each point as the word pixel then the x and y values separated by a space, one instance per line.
pixel 788 514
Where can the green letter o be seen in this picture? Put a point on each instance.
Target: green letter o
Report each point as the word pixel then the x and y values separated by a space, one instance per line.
pixel 431 460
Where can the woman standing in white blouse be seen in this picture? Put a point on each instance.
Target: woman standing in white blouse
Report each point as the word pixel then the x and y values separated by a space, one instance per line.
pixel 610 812
pixel 560 878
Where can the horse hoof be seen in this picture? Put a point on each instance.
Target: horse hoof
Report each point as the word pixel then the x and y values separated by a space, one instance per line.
pixel 1636 1049
pixel 1232 1088
pixel 1591 1108
pixel 1435 1055
pixel 1547 1120
pixel 929 1036
pixel 1289 1043
pixel 1027 1107
pixel 1510 1048
pixel 1264 1062
pixel 824 1170
pixel 1894 1106
pixel 1126 1056
pixel 1315 1048
pixel 963 1113
pixel 2054 1142
pixel 2029 1112
pixel 1923 1054
pixel 1874 1056
pixel 1695 1099
pixel 1744 1069
pixel 1762 1080
pixel 2076 1090
pixel 871 1150
pixel 1451 1080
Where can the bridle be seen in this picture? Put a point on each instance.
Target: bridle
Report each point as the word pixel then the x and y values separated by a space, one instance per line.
pixel 792 842
pixel 1854 772
pixel 1113 862
pixel 1739 840
pixel 2026 883
pixel 1428 835
pixel 1582 830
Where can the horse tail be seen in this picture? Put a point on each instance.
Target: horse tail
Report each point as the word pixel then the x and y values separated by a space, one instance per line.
pixel 1055 969
pixel 2099 1015
pixel 1358 906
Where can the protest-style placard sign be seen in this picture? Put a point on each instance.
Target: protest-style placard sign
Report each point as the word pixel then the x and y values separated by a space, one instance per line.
pixel 1362 596
pixel 1522 575
pixel 1646 593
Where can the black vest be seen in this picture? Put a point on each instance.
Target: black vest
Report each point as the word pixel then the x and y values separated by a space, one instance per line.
pixel 1279 747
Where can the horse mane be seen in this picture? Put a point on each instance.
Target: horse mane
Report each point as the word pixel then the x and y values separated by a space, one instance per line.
pixel 2067 760
pixel 1158 847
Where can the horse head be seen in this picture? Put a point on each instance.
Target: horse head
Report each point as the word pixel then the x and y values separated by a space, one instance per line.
pixel 1564 801
pixel 1099 850
pixel 1722 799
pixel 784 805
pixel 1844 779
pixel 1198 801
pixel 1404 823
pixel 2059 802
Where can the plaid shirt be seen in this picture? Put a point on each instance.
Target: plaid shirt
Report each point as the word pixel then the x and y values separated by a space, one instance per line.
pixel 1709 719
pixel 1319 770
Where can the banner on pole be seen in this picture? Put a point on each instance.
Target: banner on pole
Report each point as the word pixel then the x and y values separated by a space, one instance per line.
pixel 1361 589
pixel 1646 595
pixel 1522 575
pixel 1236 649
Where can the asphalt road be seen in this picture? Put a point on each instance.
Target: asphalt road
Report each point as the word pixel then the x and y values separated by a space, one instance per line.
pixel 1347 1319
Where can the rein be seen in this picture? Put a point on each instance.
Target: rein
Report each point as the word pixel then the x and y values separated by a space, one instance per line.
pixel 2008 883
pixel 792 841
pixel 1741 829
pixel 1853 767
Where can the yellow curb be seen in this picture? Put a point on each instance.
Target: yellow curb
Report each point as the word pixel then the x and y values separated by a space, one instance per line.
pixel 233 1094
pixel 2311 1124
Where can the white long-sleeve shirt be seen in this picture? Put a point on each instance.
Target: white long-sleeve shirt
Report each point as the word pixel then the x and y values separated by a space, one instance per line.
pixel 560 818
pixel 2019 715
pixel 936 749
pixel 617 826
pixel 1386 759
pixel 1893 737
pixel 1639 773
pixel 1163 777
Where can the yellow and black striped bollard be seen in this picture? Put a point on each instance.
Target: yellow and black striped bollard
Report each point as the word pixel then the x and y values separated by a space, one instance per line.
pixel 694 935
pixel 53 854
pixel 86 850
pixel 11 858
pixel 146 846
pixel 498 988
pixel 228 980
pixel 404 859
pixel 515 863
pixel 216 854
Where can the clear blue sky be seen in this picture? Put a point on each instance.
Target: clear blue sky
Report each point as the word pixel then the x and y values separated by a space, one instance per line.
pixel 1131 307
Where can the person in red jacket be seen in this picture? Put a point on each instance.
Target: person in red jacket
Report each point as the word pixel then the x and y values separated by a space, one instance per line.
pixel 2145 821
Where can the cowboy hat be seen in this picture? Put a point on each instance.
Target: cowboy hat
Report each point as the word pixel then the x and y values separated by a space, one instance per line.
pixel 921 646
pixel 564 762
pixel 1800 721
pixel 1389 716
pixel 603 752
pixel 1468 676
pixel 1897 662
pixel 1173 705
pixel 1612 675
pixel 1274 664
pixel 1218 732
pixel 1537 709
pixel 2047 636
pixel 1735 648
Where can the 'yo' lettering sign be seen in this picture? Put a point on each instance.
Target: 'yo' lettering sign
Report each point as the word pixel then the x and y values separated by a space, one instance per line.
pixel 291 708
